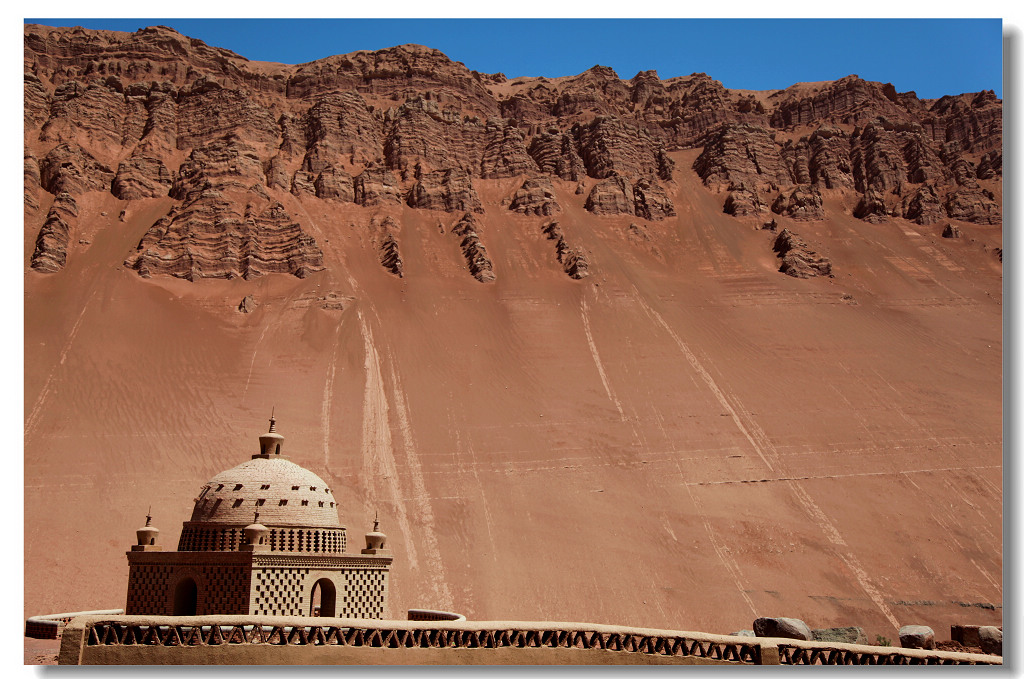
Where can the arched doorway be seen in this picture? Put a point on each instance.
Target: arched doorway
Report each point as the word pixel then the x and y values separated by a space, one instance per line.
pixel 185 595
pixel 322 598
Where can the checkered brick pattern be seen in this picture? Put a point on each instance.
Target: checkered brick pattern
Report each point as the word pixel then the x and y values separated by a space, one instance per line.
pixel 148 590
pixel 364 594
pixel 225 590
pixel 280 591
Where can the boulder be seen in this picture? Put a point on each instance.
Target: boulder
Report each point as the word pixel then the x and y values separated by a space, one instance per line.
pixel 991 639
pixel 247 305
pixel 951 231
pixel 917 636
pixel 786 628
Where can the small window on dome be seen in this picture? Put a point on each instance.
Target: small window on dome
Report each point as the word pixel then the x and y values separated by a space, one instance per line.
pixel 220 486
pixel 265 486
pixel 295 487
pixel 332 504
pixel 312 487
pixel 282 503
pixel 238 486
pixel 259 503
pixel 238 503
pixel 321 504
pixel 305 502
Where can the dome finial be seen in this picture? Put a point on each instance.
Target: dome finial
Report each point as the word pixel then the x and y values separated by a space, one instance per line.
pixel 256 517
pixel 376 523
pixel 272 420
pixel 149 515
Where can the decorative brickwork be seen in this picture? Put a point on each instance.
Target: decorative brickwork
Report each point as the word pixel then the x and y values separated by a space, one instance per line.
pixel 280 591
pixel 261 536
pixel 364 594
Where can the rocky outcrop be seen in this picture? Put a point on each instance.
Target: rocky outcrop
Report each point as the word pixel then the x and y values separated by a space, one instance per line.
pixel 390 258
pixel 206 238
pixel 141 177
pixel 923 206
pixel 802 203
pixel 337 126
pixel 334 184
pixel 742 154
pixel 610 146
pixel 555 153
pixel 473 249
pixel 611 196
pixel 31 180
pixel 448 190
pixel 743 200
pixel 917 636
pixel 786 628
pixel 872 207
pixel 68 168
pixel 535 197
pixel 504 152
pixel 51 249
pixel 573 260
pixel 973 205
pixel 433 135
pixel 225 164
pixel 991 165
pixel 376 186
pixel 650 201
pixel 247 305
pixel 798 260
pixel 848 100
pixel 951 231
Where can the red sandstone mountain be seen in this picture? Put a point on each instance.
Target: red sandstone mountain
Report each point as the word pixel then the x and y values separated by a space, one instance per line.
pixel 542 326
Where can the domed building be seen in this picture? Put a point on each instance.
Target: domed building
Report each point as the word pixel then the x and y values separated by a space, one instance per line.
pixel 264 539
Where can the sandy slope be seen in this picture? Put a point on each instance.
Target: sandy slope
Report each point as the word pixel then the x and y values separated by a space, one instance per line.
pixel 685 439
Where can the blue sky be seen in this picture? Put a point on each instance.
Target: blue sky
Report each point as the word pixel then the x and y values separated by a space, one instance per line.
pixel 933 57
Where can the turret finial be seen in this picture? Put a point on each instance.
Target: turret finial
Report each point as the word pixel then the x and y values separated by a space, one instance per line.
pixel 256 517
pixel 149 515
pixel 272 420
pixel 376 523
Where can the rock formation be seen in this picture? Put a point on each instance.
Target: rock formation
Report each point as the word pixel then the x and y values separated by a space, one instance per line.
pixel 611 196
pixel 798 260
pixel 448 190
pixel 206 238
pixel 473 250
pixel 535 197
pixel 117 112
pixel 650 200
pixel 51 250
pixel 803 202
pixel 573 260
pixel 376 186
